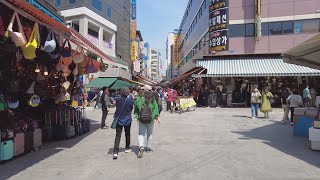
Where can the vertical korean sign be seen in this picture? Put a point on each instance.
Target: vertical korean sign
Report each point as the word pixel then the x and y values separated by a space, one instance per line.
pixel 133 30
pixel 175 50
pixel 218 25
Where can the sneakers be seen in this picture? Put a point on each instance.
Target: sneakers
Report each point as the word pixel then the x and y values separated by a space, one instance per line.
pixel 254 118
pixel 115 155
pixel 141 151
pixel 292 124
pixel 127 150
pixel 148 150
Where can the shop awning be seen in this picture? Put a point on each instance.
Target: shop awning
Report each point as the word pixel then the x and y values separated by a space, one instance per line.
pixel 252 67
pixel 101 82
pixel 145 80
pixel 192 71
pixel 305 54
pixel 120 84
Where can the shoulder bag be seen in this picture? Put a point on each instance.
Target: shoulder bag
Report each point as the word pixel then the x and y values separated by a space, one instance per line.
pixel 115 120
pixel 66 52
pixel 17 37
pixel 29 51
pixel 50 44
pixel 78 55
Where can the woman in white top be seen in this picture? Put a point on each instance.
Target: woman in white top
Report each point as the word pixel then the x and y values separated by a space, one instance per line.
pixel 294 101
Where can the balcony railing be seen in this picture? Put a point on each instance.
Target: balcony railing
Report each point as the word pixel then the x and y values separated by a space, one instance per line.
pixel 95 41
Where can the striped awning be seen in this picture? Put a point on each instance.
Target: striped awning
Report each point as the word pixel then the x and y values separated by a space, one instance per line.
pixel 252 67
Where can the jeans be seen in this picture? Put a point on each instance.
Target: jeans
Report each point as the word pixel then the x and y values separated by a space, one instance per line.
pixel 160 109
pixel 292 113
pixel 254 109
pixel 104 116
pixel 118 137
pixel 285 112
pixel 143 128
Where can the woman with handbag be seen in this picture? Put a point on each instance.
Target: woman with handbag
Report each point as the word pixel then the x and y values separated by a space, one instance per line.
pixel 122 120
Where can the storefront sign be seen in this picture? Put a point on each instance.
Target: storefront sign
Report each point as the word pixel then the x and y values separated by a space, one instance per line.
pixel 133 30
pixel 175 50
pixel 218 25
pixel 187 102
pixel 133 10
pixel 133 51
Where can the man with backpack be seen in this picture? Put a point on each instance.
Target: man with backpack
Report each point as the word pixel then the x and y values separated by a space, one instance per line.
pixel 157 98
pixel 146 111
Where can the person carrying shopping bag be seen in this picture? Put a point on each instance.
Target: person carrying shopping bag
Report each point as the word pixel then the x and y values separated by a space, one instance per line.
pixel 146 111
pixel 123 119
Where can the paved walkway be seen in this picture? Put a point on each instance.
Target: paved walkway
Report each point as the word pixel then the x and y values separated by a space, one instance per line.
pixel 205 144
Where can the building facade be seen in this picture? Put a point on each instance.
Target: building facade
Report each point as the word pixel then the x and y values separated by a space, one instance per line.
pixel 105 22
pixel 170 42
pixel 284 24
pixel 154 64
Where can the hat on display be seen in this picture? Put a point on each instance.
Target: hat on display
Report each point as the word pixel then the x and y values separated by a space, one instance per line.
pixel 31 88
pixel 13 104
pixel 34 101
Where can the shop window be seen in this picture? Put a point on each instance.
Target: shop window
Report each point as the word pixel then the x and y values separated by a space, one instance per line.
pixel 237 30
pixel 97 4
pixel 109 12
pixel 57 3
pixel 310 26
pixel 72 1
pixel 287 27
pixel 265 29
pixel 275 28
pixel 249 30
pixel 93 33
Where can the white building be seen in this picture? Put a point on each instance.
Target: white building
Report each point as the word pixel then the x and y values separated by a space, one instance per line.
pixel 170 42
pixel 98 30
pixel 154 64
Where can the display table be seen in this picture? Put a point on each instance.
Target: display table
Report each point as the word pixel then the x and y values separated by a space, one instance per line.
pixel 303 120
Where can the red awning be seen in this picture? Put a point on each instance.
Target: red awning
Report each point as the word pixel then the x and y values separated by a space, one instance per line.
pixel 192 71
pixel 77 38
pixel 37 14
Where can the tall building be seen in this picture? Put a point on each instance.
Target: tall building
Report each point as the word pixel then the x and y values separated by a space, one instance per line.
pixel 170 42
pixel 105 22
pixel 154 64
pixel 255 27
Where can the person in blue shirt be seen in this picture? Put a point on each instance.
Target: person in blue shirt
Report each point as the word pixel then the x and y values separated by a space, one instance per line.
pixel 124 107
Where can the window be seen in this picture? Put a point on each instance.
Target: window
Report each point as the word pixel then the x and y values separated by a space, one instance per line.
pixel 287 27
pixel 310 26
pixel 72 1
pixel 265 29
pixel 275 28
pixel 237 30
pixel 93 33
pixel 109 12
pixel 57 3
pixel 250 30
pixel 298 26
pixel 154 52
pixel 97 4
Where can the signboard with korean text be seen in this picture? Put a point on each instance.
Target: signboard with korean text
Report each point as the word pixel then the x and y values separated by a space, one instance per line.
pixel 133 30
pixel 175 50
pixel 133 51
pixel 218 25
pixel 133 10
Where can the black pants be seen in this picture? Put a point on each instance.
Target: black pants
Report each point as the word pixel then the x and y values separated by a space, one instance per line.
pixel 168 105
pixel 104 116
pixel 118 137
pixel 292 113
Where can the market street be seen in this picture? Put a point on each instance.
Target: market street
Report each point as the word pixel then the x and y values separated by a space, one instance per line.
pixel 205 144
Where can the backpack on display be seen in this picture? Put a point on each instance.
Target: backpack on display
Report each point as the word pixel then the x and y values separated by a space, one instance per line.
pixel 145 114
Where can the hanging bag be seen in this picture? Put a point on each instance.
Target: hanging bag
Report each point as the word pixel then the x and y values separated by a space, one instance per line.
pixel 59 65
pixel 17 37
pixel 103 67
pixel 50 44
pixel 78 55
pixel 29 51
pixel 90 66
pixel 75 71
pixel 66 52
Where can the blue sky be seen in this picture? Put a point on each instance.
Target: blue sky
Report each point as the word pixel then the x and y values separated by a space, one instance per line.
pixel 156 18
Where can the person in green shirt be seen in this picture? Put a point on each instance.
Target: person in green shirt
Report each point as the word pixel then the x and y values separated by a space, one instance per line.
pixel 146 111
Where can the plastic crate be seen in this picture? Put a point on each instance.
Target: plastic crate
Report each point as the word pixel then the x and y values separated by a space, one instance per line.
pixel 300 111
pixel 302 125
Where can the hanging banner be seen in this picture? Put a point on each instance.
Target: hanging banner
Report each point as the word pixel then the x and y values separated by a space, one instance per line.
pixel 133 30
pixel 133 51
pixel 175 50
pixel 133 10
pixel 218 25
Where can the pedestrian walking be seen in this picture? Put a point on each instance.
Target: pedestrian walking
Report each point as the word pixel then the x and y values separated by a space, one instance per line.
pixel 105 102
pixel 284 96
pixel 146 111
pixel 97 98
pixel 219 97
pixel 265 102
pixel 124 106
pixel 313 95
pixel 255 102
pixel 306 96
pixel 294 101
pixel 170 99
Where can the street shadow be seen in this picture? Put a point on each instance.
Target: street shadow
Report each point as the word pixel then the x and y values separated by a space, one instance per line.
pixel 48 149
pixel 280 137
pixel 134 149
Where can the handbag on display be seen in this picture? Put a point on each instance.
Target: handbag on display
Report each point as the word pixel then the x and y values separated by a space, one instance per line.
pixel 66 52
pixel 59 65
pixel 78 55
pixel 17 37
pixel 34 101
pixel 90 66
pixel 29 51
pixel 67 61
pixel 75 71
pixel 103 67
pixel 50 44
pixel 31 88
pixel 83 64
pixel 97 65
pixel 13 104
